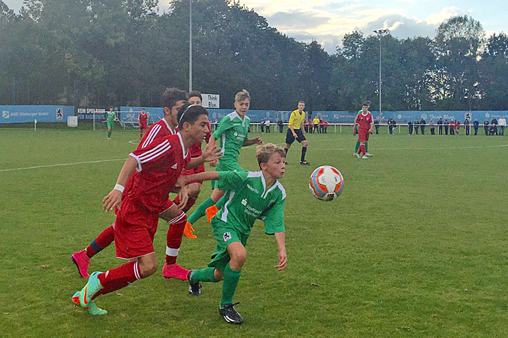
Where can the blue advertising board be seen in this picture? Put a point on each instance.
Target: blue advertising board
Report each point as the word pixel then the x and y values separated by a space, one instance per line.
pixel 28 114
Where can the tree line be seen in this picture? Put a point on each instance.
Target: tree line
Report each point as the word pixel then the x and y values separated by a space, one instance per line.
pixel 122 52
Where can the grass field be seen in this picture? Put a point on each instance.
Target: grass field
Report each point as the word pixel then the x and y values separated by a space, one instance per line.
pixel 416 246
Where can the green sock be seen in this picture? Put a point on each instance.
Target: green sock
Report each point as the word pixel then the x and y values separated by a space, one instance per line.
pixel 200 210
pixel 357 146
pixel 366 146
pixel 109 133
pixel 204 275
pixel 231 278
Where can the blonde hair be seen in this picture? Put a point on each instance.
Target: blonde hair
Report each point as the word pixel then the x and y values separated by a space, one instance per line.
pixel 265 151
pixel 242 95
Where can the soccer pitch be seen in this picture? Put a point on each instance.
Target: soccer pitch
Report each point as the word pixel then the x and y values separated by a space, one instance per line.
pixel 416 245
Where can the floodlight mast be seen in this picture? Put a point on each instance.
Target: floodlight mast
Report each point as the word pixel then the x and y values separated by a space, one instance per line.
pixel 380 33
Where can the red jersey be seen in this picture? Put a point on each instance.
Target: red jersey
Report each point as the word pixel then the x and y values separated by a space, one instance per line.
pixel 364 122
pixel 156 131
pixel 159 166
pixel 143 120
pixel 452 125
pixel 457 125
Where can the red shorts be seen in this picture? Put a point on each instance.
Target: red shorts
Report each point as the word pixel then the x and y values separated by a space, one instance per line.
pixel 363 136
pixel 143 126
pixel 199 169
pixel 135 228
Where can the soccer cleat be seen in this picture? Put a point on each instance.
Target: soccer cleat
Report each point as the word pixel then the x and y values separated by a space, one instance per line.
pixel 229 313
pixel 365 157
pixel 82 261
pixel 174 271
pixel 368 154
pixel 92 308
pixel 188 231
pixel 358 155
pixel 211 212
pixel 354 154
pixel 304 162
pixel 194 287
pixel 91 288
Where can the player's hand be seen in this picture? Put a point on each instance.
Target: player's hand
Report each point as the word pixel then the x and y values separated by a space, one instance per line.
pixel 258 140
pixel 182 181
pixel 283 260
pixel 211 153
pixel 213 163
pixel 294 135
pixel 183 197
pixel 112 200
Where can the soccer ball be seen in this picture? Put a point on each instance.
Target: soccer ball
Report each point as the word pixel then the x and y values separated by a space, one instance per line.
pixel 326 183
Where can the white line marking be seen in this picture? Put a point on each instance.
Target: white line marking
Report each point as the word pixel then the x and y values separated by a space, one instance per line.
pixel 61 165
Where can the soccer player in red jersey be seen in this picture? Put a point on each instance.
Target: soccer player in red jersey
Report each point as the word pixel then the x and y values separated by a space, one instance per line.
pixel 140 195
pixel 173 99
pixel 143 122
pixel 365 124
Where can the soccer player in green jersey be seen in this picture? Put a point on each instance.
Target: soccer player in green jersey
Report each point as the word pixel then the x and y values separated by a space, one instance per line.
pixel 232 133
pixel 110 120
pixel 249 196
pixel 365 106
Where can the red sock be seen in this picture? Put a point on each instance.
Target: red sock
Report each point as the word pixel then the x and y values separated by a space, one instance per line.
pixel 362 149
pixel 174 237
pixel 105 238
pixel 118 278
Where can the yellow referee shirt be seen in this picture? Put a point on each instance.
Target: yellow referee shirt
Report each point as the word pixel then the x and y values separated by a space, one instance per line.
pixel 296 119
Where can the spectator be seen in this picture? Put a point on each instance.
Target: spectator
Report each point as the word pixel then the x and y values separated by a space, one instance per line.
pixel 409 127
pixel 316 124
pixel 267 124
pixel 501 126
pixel 422 125
pixel 493 126
pixel 376 124
pixel 262 124
pixel 457 127
pixel 432 127
pixel 321 126
pixel 475 126
pixel 440 126
pixel 486 126
pixel 416 125
pixel 452 127
pixel 466 126
pixel 281 125
pixel 326 127
pixel 446 123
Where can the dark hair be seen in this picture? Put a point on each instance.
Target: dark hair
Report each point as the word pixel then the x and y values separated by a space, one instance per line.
pixel 366 104
pixel 171 96
pixel 195 93
pixel 190 113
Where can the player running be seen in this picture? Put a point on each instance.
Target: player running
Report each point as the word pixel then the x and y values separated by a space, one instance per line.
pixel 365 124
pixel 232 133
pixel 140 195
pixel 249 196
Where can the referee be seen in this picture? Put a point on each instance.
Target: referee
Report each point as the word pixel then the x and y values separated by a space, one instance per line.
pixel 296 132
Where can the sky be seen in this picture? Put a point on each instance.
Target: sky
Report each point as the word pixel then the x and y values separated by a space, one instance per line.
pixel 326 21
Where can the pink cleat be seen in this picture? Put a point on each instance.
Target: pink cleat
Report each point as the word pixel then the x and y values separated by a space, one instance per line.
pixel 174 271
pixel 82 261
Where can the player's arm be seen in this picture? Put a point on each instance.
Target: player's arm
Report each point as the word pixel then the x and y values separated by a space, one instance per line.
pixel 114 198
pixel 210 154
pixel 251 141
pixel 280 238
pixel 290 125
pixel 354 127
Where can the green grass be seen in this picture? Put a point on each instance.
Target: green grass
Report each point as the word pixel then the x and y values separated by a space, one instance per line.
pixel 416 246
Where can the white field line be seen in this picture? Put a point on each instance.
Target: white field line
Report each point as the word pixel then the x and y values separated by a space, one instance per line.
pixel 61 165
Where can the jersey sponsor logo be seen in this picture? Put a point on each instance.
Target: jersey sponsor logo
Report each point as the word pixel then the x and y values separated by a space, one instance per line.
pixel 244 201
pixel 226 236
pixel 251 188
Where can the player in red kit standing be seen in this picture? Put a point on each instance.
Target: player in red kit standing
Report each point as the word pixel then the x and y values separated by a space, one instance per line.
pixel 143 122
pixel 365 124
pixel 140 195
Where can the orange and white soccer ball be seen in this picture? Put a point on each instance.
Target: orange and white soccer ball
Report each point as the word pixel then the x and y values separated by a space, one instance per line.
pixel 326 183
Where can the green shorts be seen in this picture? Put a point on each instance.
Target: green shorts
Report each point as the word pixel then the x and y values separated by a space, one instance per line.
pixel 224 235
pixel 225 166
pixel 110 124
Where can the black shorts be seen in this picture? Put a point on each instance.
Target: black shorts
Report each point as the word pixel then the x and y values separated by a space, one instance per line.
pixel 290 138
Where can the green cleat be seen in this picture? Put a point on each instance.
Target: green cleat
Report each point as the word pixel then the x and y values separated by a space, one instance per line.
pixel 91 288
pixel 91 307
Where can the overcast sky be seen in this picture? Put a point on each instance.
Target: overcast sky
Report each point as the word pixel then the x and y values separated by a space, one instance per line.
pixel 326 21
